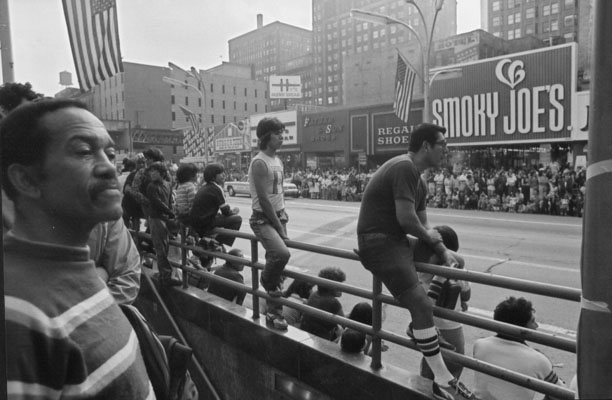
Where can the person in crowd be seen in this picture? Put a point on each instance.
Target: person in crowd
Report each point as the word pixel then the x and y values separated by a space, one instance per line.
pixel 210 208
pixel 511 183
pixel 159 210
pixel 453 297
pixel 392 207
pixel 132 210
pixel 111 245
pixel 325 299
pixel 186 189
pixel 361 312
pixel 269 218
pixel 57 168
pixel 229 270
pixel 512 353
pixel 14 94
pixel 353 341
pixel 298 292
pixel 127 166
pixel 140 182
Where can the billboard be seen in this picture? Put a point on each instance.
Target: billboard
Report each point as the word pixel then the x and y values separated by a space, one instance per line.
pixel 289 118
pixel 285 87
pixel 524 97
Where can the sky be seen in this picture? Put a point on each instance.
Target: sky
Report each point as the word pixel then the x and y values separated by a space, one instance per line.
pixel 185 32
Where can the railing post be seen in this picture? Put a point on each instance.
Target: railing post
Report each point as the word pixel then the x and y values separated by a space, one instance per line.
pixel 255 278
pixel 376 323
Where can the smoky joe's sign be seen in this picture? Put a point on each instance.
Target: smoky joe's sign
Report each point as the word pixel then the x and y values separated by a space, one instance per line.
pixel 519 97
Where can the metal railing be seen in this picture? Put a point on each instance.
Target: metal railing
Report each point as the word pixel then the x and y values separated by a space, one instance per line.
pixel 378 299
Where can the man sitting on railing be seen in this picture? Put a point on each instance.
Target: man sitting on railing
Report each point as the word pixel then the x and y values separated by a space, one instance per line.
pixel 392 207
pixel 210 209
pixel 512 353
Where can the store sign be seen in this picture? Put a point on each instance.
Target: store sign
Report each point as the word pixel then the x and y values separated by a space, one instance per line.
pixel 391 134
pixel 235 143
pixel 289 118
pixel 524 96
pixel 327 131
pixel 285 87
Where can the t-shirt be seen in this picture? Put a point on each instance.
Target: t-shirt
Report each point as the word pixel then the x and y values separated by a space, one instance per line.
pixel 515 356
pixel 66 335
pixel 398 178
pixel 274 183
pixel 315 325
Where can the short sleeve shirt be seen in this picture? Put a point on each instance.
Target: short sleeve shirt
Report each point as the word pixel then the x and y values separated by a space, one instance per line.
pixel 396 179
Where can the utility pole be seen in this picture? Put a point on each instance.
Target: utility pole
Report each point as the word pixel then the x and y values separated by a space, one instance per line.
pixel 595 323
pixel 6 51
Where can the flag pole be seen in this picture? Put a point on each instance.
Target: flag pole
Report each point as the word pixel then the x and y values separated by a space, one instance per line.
pixel 6 51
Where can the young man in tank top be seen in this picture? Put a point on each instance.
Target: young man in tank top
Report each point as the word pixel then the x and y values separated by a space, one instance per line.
pixel 269 218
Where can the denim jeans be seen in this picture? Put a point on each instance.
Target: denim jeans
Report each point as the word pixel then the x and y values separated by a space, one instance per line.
pixel 161 244
pixel 277 253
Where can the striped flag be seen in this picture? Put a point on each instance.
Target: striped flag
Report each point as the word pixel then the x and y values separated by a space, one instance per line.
pixel 210 138
pixel 94 39
pixel 404 83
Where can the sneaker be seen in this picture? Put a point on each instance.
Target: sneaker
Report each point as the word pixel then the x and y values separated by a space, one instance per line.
pixel 456 387
pixel 443 343
pixel 276 321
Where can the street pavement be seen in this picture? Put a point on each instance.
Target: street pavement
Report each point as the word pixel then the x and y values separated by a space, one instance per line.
pixel 540 248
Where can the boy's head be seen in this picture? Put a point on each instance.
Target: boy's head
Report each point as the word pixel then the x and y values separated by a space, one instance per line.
pixel 516 311
pixel 352 341
pixel 333 274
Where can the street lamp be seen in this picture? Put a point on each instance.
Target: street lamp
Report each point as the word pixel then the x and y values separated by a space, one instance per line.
pixel 424 42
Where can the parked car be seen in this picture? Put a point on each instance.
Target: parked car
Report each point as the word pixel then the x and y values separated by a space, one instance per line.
pixel 242 187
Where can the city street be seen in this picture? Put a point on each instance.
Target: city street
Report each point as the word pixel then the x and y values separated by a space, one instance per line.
pixel 540 248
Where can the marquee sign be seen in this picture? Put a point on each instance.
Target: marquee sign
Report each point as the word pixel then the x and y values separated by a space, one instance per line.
pixel 519 97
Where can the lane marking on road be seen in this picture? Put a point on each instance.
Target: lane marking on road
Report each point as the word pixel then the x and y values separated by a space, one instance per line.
pixel 465 255
pixel 552 329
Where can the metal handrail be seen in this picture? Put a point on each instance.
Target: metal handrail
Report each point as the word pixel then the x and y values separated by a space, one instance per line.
pixel 378 334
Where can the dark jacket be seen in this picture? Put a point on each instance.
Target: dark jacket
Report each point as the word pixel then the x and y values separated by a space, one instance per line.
pixel 158 194
pixel 207 203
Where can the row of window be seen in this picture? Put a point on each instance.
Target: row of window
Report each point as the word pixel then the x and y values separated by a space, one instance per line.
pixel 223 120
pixel 568 21
pixel 547 9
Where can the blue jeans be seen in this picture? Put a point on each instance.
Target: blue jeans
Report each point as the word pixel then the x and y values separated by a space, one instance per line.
pixel 161 244
pixel 277 253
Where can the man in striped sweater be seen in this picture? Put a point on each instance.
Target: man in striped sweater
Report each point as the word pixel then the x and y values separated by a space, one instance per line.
pixel 66 337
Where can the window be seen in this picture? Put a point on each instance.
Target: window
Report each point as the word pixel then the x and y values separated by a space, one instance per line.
pixel 173 116
pixel 569 3
pixel 554 25
pixel 234 105
pixel 223 89
pixel 256 107
pixel 545 27
pixel 510 3
pixel 517 18
pixel 530 12
pixel 246 108
pixel 212 118
pixel 255 92
pixel 212 103
pixel 199 102
pixel 569 20
pixel 224 119
pixel 496 21
pixel 223 104
pixel 234 90
pixel 529 30
pixel 186 100
pixel 212 88
pixel 496 5
pixel 511 19
pixel 245 91
pixel 172 99
pixel 517 33
pixel 554 8
pixel 546 10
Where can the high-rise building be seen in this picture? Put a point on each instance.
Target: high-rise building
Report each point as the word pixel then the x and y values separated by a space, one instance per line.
pixel 276 49
pixel 338 37
pixel 554 21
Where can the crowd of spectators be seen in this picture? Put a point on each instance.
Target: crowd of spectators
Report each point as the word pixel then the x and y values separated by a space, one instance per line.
pixel 552 189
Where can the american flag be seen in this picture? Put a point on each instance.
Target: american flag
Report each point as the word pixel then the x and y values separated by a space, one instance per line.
pixel 94 39
pixel 404 83
pixel 210 138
